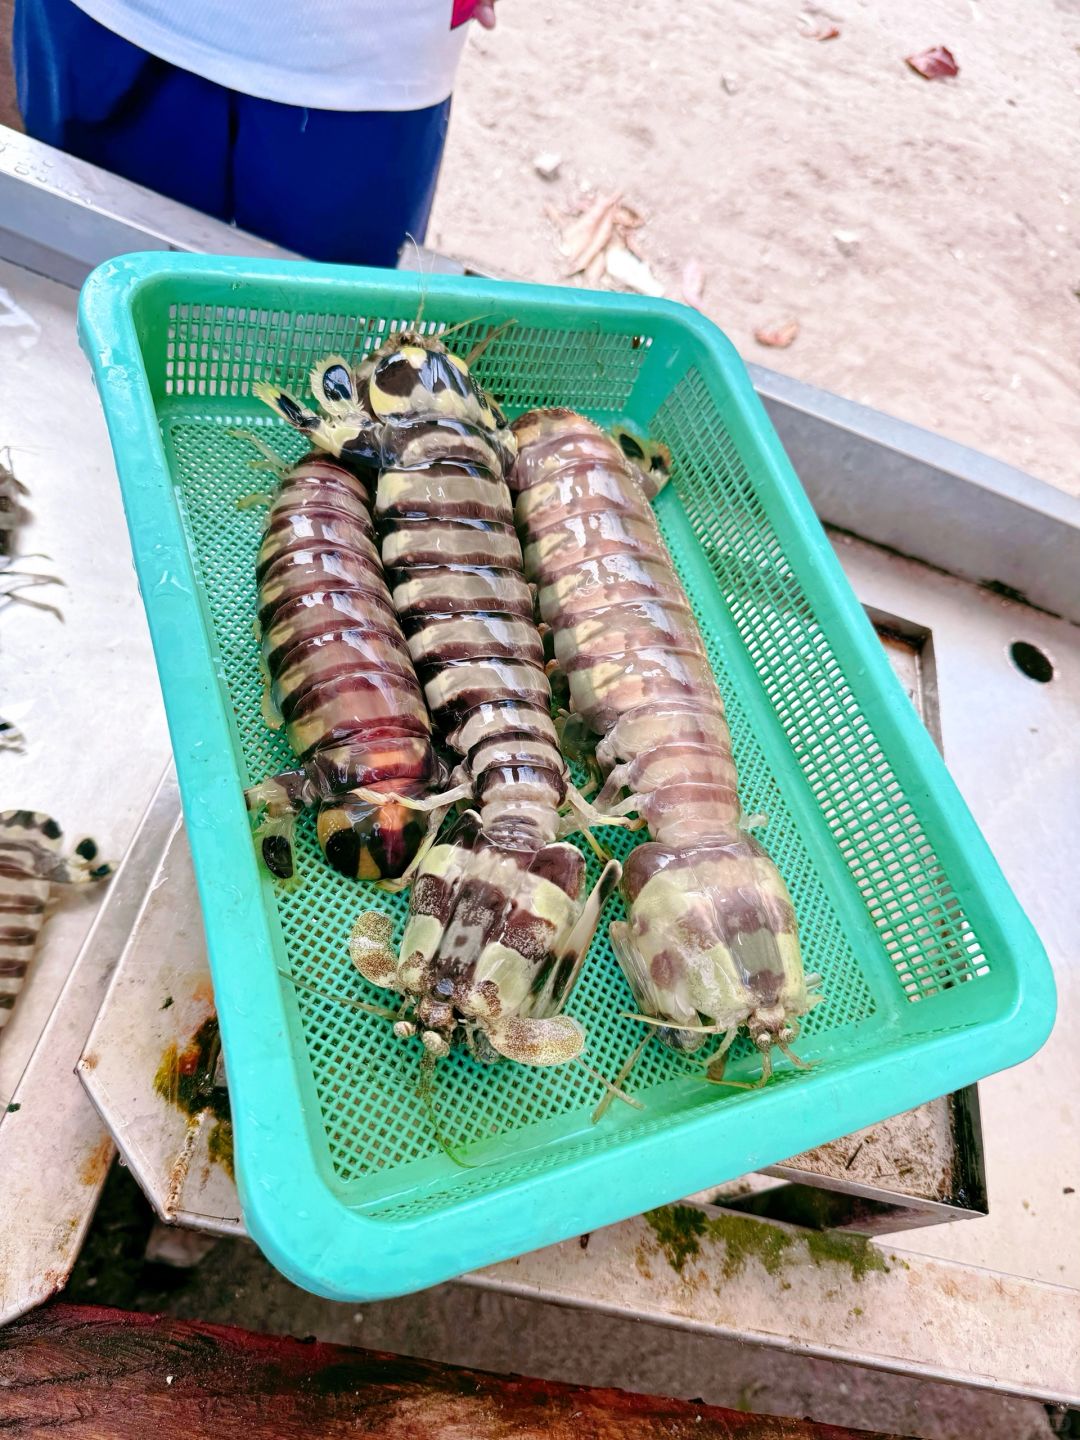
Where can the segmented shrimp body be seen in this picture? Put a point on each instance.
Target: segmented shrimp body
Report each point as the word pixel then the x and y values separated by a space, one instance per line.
pixel 711 941
pixel 340 680
pixel 453 562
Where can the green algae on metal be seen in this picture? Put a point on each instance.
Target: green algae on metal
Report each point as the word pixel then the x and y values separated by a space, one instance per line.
pixel 219 1146
pixel 680 1231
pixel 856 1251
pixel 186 1079
pixel 745 1239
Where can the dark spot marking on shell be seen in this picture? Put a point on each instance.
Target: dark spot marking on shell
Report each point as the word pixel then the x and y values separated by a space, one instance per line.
pixel 87 848
pixel 529 935
pixel 343 850
pixel 438 374
pixel 337 383
pixel 431 895
pixel 396 839
pixel 490 992
pixel 99 872
pixel 395 375
pixel 766 986
pixel 293 413
pixel 667 969
pixel 557 982
pixel 51 829
pixel 630 447
pixel 277 853
pixel 562 865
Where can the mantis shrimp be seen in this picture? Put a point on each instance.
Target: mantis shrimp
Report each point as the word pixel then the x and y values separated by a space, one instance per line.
pixel 30 862
pixel 13 581
pixel 340 680
pixel 498 923
pixel 710 943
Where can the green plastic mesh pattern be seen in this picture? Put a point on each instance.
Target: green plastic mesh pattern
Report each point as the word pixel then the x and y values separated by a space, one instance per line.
pixel 907 892
pixel 219 350
pixel 382 1126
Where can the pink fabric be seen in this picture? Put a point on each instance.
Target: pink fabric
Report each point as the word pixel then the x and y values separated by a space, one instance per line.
pixel 463 10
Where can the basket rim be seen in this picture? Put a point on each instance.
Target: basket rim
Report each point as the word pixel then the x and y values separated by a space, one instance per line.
pixel 307 1230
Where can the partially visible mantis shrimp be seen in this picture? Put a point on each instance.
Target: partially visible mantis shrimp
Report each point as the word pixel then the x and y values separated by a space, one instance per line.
pixel 14 582
pixel 340 680
pixel 498 923
pixel 31 862
pixel 711 942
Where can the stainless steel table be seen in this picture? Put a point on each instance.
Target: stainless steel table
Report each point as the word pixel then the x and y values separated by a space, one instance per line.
pixel 957 557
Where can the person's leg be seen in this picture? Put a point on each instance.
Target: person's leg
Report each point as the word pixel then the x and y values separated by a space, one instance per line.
pixel 94 95
pixel 337 185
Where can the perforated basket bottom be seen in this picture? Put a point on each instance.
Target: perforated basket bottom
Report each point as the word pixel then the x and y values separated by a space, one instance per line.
pixel 378 1117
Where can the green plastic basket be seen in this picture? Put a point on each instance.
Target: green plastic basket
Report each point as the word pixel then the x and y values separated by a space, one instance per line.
pixel 932 974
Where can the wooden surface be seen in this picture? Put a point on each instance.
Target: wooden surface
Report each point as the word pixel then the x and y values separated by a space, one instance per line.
pixel 84 1373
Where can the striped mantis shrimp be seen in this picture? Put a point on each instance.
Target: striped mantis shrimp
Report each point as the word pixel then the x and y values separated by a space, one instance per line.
pixel 339 679
pixel 14 582
pixel 30 863
pixel 710 944
pixel 498 922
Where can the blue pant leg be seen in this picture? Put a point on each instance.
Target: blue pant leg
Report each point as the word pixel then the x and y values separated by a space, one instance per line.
pixel 95 95
pixel 337 185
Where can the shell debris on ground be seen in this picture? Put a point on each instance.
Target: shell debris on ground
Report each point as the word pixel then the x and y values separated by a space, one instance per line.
pixel 598 242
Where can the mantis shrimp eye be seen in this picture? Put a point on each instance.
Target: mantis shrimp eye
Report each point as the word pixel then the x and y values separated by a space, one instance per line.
pixel 788 1034
pixel 763 1040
